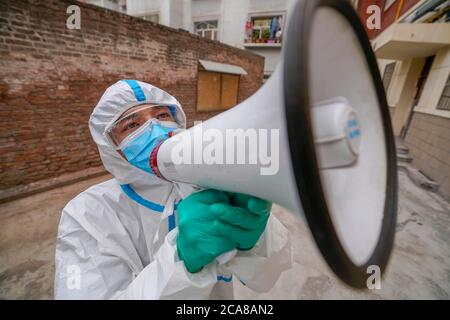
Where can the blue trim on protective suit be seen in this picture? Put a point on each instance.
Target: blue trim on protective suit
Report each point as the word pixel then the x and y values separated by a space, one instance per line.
pixel 159 208
pixel 134 196
pixel 140 95
pixel 172 221
pixel 173 110
pixel 138 92
pixel 148 204
pixel 225 279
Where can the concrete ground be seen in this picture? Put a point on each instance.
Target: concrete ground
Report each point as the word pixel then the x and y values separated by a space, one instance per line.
pixel 419 267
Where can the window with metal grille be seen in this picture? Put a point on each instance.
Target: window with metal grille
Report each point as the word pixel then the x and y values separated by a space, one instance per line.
pixel 264 29
pixel 207 29
pixel 444 101
pixel 387 76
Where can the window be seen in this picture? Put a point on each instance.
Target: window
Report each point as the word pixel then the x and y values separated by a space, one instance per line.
pixel 387 75
pixel 216 90
pixel 388 4
pixel 264 29
pixel 444 101
pixel 422 78
pixel 206 29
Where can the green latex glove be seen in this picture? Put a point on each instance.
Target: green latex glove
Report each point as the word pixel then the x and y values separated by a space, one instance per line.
pixel 242 220
pixel 198 242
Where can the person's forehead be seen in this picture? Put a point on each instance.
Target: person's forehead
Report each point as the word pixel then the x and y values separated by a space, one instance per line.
pixel 141 106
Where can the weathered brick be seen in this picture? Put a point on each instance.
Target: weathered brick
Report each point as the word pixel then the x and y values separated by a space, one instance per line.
pixel 52 80
pixel 19 42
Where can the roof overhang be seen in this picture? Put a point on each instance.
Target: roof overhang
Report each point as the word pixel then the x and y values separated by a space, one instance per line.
pixel 403 41
pixel 222 67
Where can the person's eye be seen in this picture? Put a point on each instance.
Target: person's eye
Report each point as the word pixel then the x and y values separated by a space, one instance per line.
pixel 164 115
pixel 130 126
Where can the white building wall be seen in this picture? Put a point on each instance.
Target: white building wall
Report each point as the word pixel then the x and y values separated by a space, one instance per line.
pixel 268 5
pixel 202 8
pixel 141 7
pixel 172 13
pixel 176 13
pixel 108 4
pixel 272 57
pixel 234 15
pixel 111 5
pixel 230 14
pixel 187 15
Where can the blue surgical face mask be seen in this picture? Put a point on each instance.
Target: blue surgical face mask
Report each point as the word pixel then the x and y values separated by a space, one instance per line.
pixel 139 146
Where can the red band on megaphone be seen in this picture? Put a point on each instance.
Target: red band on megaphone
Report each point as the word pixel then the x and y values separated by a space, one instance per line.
pixel 154 160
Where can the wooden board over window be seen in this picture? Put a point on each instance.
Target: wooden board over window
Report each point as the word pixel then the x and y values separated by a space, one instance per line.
pixel 230 88
pixel 216 91
pixel 208 91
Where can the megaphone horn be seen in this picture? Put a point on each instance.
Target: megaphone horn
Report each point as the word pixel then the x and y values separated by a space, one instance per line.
pixel 336 166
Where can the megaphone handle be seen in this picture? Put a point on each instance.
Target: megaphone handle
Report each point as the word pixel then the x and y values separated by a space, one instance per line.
pixel 186 191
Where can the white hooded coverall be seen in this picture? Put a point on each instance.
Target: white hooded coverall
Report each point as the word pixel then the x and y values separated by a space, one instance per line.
pixel 117 239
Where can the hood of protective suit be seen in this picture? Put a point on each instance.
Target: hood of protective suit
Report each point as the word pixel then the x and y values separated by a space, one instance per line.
pixel 118 98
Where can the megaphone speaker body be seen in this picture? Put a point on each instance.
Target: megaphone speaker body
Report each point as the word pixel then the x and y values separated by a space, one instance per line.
pixel 323 118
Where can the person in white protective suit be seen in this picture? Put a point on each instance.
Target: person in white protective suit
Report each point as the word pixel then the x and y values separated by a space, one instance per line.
pixel 134 237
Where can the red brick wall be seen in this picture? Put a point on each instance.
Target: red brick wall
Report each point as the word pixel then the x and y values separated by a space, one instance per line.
pixel 387 17
pixel 52 77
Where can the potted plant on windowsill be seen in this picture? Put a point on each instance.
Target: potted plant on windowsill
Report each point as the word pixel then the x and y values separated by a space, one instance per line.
pixel 255 36
pixel 265 35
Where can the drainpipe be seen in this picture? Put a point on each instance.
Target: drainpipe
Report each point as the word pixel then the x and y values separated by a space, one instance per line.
pixel 399 10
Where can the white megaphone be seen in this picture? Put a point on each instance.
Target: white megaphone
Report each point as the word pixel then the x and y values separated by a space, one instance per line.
pixel 337 165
